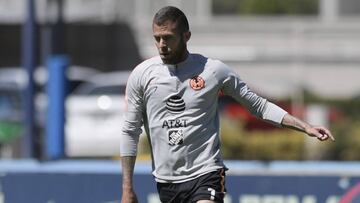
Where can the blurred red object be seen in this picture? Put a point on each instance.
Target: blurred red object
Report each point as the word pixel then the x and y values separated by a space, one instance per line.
pixel 235 111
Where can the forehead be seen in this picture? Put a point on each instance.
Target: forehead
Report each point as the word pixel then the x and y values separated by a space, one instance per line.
pixel 166 27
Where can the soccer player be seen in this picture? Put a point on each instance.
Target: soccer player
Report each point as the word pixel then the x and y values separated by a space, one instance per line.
pixel 174 96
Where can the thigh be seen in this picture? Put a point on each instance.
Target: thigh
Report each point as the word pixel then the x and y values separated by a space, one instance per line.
pixel 210 188
pixel 205 201
pixel 168 192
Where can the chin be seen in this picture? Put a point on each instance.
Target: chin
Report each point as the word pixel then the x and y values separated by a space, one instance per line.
pixel 167 61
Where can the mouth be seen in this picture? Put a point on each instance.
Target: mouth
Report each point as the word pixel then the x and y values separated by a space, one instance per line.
pixel 164 55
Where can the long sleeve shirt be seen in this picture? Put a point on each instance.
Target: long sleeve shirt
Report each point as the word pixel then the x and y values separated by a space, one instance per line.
pixel 178 107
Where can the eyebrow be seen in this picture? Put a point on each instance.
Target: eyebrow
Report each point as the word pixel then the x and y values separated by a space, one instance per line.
pixel 164 35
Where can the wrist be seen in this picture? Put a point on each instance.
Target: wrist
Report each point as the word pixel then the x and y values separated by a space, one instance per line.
pixel 127 187
pixel 308 129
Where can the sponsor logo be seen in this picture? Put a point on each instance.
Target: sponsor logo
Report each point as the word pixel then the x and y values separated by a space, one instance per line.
pixel 174 123
pixel 175 104
pixel 176 137
pixel 175 132
pixel 352 196
pixel 197 83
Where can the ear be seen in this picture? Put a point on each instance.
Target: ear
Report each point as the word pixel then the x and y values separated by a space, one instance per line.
pixel 187 36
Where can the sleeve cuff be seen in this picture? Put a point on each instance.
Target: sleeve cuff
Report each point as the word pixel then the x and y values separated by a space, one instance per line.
pixel 274 114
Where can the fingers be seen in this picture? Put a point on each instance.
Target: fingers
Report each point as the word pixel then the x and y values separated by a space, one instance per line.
pixel 324 134
pixel 329 134
pixel 322 137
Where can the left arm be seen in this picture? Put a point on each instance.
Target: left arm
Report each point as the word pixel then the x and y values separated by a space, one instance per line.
pixel 319 132
pixel 232 85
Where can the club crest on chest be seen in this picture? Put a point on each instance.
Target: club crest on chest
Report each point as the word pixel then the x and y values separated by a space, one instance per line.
pixel 197 83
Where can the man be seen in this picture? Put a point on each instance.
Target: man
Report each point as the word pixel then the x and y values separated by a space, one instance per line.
pixel 174 96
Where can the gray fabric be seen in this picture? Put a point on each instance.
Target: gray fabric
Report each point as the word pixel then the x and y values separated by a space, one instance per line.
pixel 183 122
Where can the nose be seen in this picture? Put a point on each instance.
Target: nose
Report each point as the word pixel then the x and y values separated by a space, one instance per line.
pixel 162 44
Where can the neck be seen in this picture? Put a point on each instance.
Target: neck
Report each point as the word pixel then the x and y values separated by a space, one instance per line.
pixel 183 57
pixel 178 60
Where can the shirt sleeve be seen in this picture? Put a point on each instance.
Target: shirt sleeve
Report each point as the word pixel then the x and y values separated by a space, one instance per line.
pixel 233 86
pixel 133 119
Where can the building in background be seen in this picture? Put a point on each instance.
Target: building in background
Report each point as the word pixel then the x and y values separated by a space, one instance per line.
pixel 280 52
pixel 116 35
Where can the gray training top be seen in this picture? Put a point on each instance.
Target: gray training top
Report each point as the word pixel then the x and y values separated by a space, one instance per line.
pixel 178 106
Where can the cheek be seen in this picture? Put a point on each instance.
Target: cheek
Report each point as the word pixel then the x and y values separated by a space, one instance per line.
pixel 175 46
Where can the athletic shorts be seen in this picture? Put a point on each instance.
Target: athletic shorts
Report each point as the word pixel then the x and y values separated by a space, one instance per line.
pixel 210 186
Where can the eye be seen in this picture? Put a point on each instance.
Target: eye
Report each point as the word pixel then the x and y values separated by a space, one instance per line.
pixel 167 37
pixel 157 38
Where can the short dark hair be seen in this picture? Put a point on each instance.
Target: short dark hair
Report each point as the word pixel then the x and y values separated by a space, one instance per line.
pixel 174 15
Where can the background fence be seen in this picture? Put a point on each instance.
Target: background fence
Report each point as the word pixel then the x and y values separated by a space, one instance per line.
pixel 246 182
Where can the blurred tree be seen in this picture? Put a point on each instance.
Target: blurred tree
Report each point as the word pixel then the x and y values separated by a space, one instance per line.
pixel 221 7
pixel 266 7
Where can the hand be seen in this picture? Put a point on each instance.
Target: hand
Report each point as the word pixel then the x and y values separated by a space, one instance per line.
pixel 128 196
pixel 320 132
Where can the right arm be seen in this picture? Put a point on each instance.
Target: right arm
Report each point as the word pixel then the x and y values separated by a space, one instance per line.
pixel 128 194
pixel 130 133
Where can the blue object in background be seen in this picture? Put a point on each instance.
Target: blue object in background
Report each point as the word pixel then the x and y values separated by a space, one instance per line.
pixel 99 181
pixel 56 91
pixel 106 188
pixel 28 59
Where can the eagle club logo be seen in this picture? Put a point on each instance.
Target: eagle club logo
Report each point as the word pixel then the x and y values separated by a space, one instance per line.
pixel 197 83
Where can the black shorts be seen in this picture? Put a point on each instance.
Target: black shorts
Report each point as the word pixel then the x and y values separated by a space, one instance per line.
pixel 210 186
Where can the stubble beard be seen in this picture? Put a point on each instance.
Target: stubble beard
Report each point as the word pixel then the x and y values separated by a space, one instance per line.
pixel 177 56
